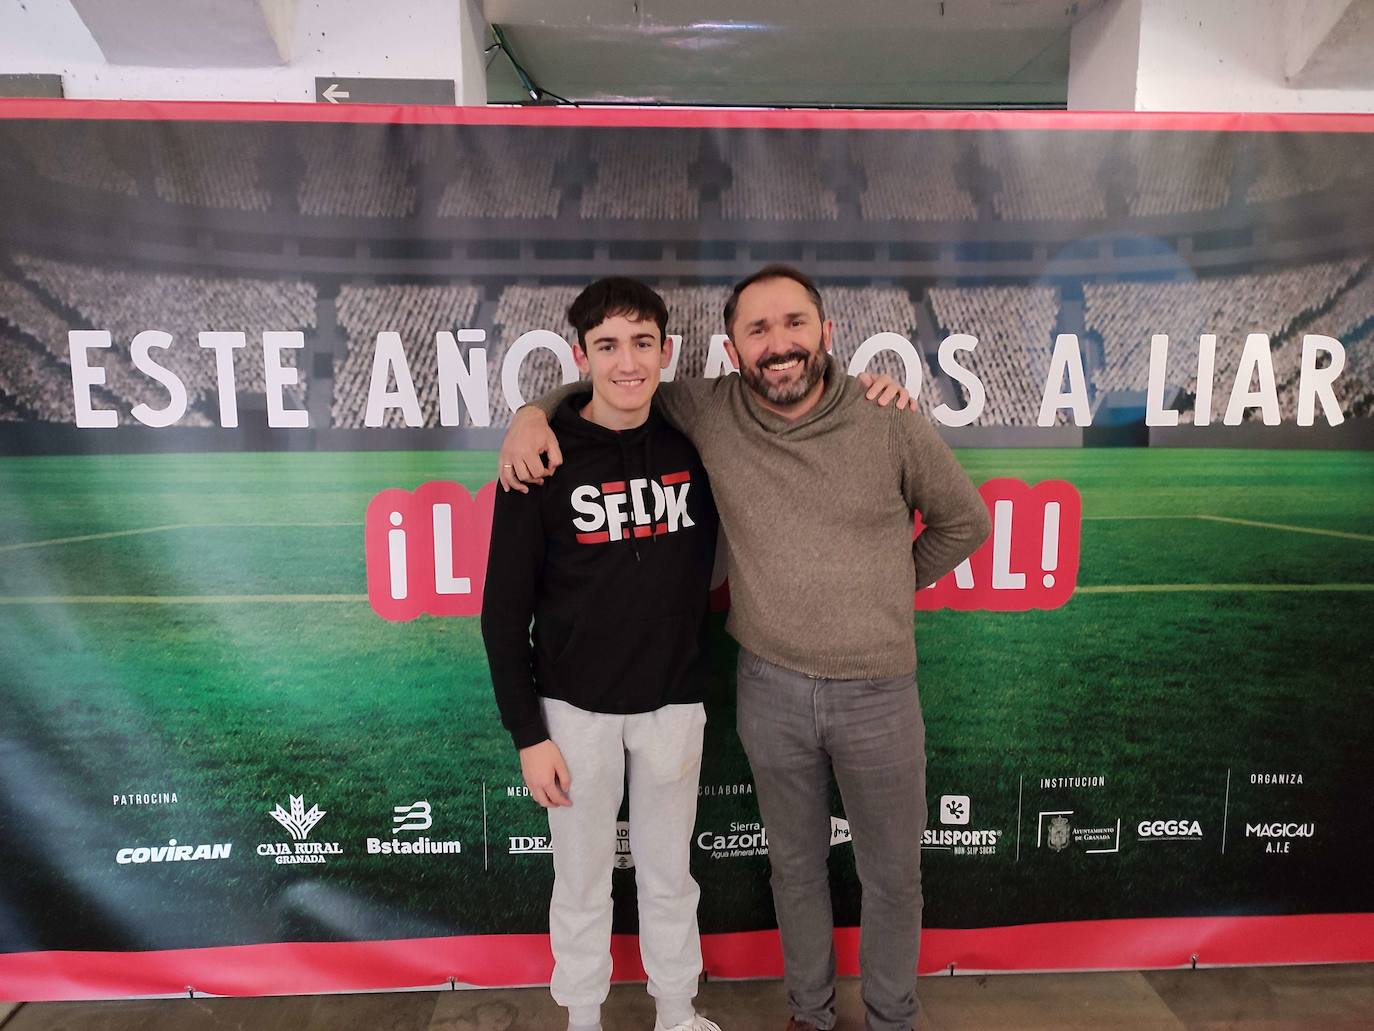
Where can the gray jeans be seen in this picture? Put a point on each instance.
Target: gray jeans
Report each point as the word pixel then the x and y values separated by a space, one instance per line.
pixel 796 729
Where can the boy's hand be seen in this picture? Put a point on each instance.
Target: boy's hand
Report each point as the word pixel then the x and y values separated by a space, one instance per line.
pixel 523 448
pixel 546 774
pixel 882 388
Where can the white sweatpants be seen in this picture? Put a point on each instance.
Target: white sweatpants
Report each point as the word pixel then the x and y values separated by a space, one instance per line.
pixel 663 750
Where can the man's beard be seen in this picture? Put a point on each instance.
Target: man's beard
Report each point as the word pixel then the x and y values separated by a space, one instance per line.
pixel 813 370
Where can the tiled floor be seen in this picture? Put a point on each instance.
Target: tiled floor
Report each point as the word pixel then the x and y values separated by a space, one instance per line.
pixel 1327 998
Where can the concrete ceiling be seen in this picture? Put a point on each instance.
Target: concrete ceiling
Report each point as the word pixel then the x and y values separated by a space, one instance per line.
pixel 797 52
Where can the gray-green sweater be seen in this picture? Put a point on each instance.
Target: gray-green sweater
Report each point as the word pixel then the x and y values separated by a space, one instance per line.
pixel 817 512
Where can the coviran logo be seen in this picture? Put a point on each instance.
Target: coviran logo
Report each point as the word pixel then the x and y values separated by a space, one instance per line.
pixel 172 853
pixel 299 823
pixel 1168 830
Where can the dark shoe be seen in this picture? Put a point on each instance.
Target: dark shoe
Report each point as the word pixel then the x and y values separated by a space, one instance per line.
pixel 793 1024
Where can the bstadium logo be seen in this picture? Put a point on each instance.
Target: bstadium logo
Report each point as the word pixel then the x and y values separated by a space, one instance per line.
pixel 145 798
pixel 172 853
pixel 418 816
pixel 530 846
pixel 958 838
pixel 298 822
pixel 1168 830
pixel 1279 837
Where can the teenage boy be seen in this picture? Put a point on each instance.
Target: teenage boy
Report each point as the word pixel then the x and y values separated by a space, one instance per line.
pixel 612 560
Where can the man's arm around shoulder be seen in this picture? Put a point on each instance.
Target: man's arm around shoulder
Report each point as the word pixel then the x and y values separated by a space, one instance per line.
pixel 935 484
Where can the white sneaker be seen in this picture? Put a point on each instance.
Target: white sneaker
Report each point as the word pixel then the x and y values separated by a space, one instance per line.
pixel 696 1023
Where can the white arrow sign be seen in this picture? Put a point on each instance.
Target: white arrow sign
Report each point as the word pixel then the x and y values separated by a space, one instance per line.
pixel 333 94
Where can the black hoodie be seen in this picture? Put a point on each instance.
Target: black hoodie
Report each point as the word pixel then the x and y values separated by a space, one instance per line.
pixel 612 560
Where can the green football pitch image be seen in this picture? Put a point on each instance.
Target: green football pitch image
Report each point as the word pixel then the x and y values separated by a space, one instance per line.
pixel 197 626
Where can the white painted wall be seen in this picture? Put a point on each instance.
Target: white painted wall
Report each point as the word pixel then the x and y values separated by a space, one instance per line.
pixel 427 39
pixel 1205 55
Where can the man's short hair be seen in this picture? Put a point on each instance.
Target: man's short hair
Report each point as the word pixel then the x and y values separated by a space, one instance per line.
pixel 616 295
pixel 772 272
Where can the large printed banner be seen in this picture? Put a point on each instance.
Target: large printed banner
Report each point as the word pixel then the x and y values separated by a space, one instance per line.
pixel 254 365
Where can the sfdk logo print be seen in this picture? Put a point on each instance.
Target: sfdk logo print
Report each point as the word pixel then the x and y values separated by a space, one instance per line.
pixel 616 511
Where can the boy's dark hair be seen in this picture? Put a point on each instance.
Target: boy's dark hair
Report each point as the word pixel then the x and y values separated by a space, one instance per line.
pixel 771 272
pixel 616 295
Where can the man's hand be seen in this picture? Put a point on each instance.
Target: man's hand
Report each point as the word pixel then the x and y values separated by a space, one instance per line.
pixel 546 774
pixel 882 388
pixel 523 449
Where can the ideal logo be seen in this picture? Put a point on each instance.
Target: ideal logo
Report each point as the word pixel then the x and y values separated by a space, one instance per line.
pixel 413 817
pixel 427 551
pixel 529 846
pixel 606 513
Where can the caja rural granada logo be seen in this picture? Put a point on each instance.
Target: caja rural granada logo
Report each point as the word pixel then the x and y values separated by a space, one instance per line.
pixel 426 551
